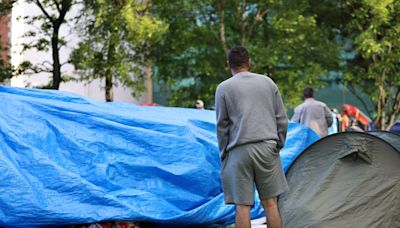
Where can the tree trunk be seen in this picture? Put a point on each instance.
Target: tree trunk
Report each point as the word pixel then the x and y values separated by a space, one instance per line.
pixel 149 82
pixel 222 35
pixel 242 23
pixel 149 65
pixel 109 86
pixel 379 121
pixel 56 60
pixel 62 8
pixel 109 73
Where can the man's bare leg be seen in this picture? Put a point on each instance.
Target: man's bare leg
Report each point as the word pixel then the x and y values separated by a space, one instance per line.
pixel 272 213
pixel 242 219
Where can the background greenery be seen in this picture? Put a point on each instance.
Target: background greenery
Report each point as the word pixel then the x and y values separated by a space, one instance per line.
pixel 182 44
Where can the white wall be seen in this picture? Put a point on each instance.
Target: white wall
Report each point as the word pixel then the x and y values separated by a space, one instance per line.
pixel 93 90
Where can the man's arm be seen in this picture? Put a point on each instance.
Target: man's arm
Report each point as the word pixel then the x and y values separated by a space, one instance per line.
pixel 222 122
pixel 281 119
pixel 328 116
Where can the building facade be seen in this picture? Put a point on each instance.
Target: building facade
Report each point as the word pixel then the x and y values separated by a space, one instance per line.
pixel 4 37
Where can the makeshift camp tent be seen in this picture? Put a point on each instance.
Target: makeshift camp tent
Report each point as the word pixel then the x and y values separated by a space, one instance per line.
pixel 65 159
pixel 395 128
pixel 350 111
pixel 349 179
pixel 390 137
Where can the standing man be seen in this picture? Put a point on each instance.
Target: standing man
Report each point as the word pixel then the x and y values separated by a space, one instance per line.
pixel 314 114
pixel 251 129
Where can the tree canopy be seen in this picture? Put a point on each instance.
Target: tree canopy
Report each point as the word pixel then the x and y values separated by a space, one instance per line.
pixel 50 19
pixel 184 43
pixel 116 38
pixel 283 38
pixel 296 43
pixel 374 28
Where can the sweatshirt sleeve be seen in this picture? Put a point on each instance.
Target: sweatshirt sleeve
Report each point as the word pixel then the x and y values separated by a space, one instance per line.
pixel 281 119
pixel 296 115
pixel 222 122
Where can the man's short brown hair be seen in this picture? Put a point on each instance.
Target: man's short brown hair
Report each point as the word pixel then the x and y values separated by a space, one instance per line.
pixel 238 57
pixel 308 92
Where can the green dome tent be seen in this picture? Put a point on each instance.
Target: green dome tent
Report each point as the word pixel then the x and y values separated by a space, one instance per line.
pixel 350 179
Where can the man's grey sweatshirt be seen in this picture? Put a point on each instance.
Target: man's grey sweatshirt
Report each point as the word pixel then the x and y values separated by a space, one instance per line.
pixel 249 108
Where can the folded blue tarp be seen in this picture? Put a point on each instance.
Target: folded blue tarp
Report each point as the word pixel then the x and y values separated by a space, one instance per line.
pixel 68 160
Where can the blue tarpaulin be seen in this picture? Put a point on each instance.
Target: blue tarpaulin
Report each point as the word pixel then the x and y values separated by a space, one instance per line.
pixel 65 159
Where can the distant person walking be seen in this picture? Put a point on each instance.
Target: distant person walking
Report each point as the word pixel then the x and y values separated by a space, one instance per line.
pixel 314 114
pixel 251 129
pixel 199 104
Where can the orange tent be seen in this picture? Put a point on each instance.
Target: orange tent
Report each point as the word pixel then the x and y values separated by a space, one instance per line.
pixel 354 112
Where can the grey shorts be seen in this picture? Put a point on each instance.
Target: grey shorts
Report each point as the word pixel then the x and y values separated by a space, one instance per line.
pixel 251 163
